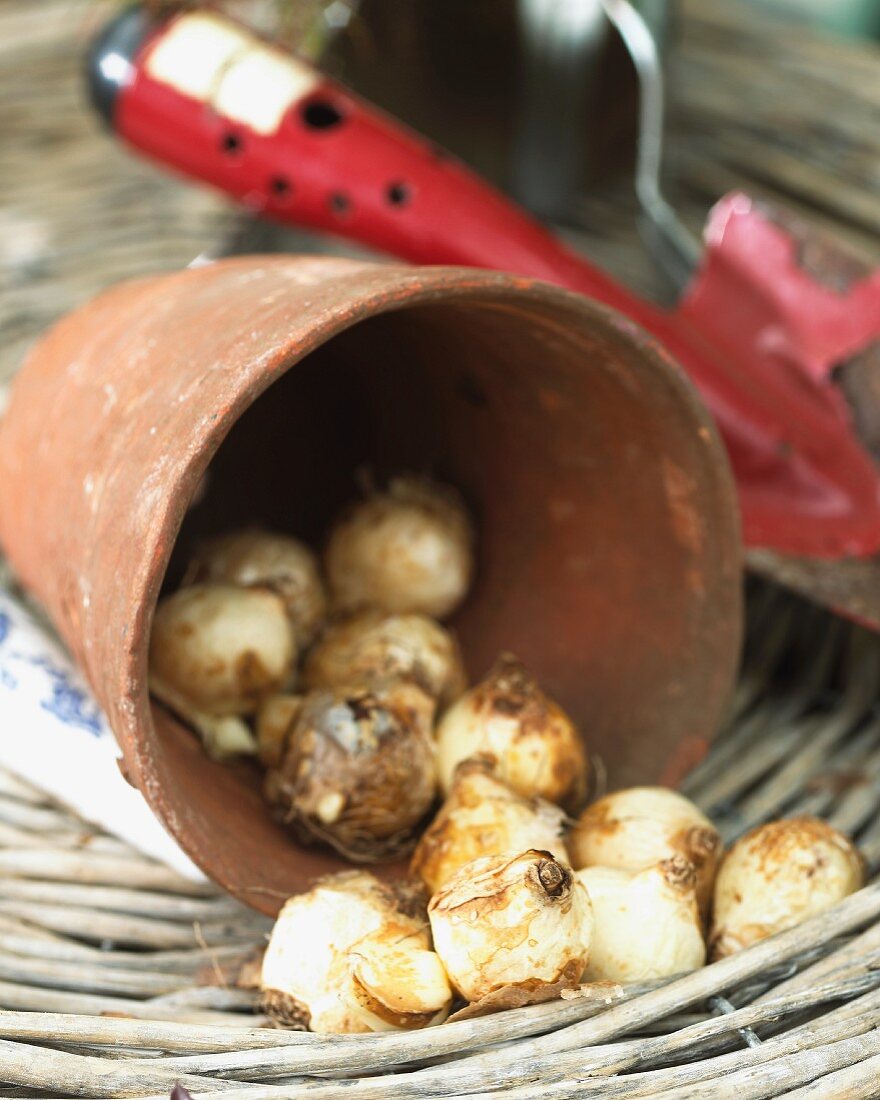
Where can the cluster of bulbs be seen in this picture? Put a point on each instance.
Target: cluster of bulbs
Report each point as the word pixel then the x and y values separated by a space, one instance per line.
pixel 354 698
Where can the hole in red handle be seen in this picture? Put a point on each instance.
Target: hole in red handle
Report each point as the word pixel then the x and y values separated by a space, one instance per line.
pixel 231 144
pixel 321 114
pixel 398 193
pixel 280 187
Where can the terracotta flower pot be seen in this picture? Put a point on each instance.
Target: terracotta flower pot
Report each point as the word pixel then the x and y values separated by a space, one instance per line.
pixel 608 533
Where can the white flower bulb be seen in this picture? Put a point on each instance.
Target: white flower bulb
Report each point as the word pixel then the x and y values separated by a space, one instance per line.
pixel 409 549
pixel 371 646
pixel 778 875
pixel 638 827
pixel 253 558
pixel 532 743
pixel 216 651
pixel 646 924
pixel 351 956
pixel 358 769
pixel 483 816
pixel 517 920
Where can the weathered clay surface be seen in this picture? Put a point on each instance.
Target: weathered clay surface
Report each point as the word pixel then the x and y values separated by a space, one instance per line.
pixel 609 554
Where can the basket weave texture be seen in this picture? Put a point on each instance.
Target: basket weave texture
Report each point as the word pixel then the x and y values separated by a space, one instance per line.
pixel 117 978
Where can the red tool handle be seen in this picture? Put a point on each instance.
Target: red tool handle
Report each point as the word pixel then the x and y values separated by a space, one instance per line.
pixel 757 335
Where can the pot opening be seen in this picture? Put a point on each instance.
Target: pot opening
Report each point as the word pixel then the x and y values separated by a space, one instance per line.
pixel 574 461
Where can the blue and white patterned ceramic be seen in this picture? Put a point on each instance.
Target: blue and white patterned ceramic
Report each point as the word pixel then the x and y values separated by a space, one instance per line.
pixel 54 735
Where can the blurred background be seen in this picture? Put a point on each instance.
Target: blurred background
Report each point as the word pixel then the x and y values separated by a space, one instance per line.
pixel 847 16
pixel 777 97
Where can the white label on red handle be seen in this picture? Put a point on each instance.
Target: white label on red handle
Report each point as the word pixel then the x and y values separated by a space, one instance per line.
pixel 192 52
pixel 245 80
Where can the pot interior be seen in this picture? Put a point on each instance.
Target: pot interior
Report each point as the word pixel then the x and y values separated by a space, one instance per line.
pixel 605 547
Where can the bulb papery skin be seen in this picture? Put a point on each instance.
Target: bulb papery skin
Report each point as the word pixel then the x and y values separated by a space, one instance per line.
pixel 409 549
pixel 637 827
pixel 274 724
pixel 358 771
pixel 646 924
pixel 396 981
pixel 339 955
pixel 533 744
pixel 483 816
pixel 516 920
pixel 253 558
pixel 776 876
pixel 218 651
pixel 371 646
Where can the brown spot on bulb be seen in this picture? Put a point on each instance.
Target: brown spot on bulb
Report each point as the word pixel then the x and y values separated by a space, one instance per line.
pixel 507 706
pixel 251 674
pixel 700 844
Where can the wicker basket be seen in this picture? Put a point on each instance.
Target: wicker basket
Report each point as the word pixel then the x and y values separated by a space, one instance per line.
pixel 119 979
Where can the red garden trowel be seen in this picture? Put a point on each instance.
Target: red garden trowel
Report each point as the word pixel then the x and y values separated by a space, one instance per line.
pixel 779 331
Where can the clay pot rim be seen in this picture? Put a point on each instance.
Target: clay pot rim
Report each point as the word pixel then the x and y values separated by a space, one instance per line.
pixel 398 288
